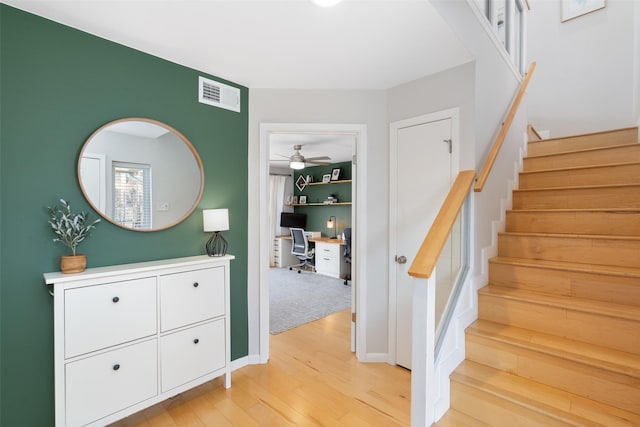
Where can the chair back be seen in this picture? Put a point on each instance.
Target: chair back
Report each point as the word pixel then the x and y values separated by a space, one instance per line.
pixel 347 244
pixel 300 244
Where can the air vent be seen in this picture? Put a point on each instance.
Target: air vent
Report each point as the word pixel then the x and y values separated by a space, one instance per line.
pixel 218 94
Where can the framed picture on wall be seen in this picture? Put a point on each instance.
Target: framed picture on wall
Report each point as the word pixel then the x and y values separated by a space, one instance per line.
pixel 335 174
pixel 301 182
pixel 574 8
pixel 302 200
pixel 326 177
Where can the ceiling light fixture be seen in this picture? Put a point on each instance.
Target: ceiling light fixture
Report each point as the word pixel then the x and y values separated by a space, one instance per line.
pixel 326 3
pixel 296 165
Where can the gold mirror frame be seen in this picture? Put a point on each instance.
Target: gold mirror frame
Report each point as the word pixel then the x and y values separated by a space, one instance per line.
pixel 106 159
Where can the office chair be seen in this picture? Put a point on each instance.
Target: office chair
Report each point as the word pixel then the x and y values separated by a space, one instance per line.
pixel 300 248
pixel 347 253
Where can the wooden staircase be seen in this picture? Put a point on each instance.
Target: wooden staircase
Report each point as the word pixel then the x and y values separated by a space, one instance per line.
pixel 557 341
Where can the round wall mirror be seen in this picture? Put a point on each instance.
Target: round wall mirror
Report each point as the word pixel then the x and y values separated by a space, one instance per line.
pixel 141 174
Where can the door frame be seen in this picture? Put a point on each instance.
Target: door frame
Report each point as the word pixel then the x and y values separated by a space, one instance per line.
pixel 454 115
pixel 358 219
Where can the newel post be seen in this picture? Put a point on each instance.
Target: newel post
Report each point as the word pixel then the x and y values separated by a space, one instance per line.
pixel 423 349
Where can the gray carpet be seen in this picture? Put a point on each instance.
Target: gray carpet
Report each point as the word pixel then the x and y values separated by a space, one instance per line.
pixel 296 299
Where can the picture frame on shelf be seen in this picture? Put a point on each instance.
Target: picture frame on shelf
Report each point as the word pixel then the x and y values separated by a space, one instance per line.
pixel 326 177
pixel 294 200
pixel 575 8
pixel 289 200
pixel 335 174
pixel 302 200
pixel 301 182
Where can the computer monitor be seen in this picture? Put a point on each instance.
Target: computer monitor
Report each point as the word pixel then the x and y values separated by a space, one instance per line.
pixel 291 219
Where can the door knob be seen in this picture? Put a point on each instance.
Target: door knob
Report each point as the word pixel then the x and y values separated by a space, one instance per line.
pixel 401 259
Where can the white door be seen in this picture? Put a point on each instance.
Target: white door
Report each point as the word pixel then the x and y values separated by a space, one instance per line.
pixel 424 170
pixel 93 178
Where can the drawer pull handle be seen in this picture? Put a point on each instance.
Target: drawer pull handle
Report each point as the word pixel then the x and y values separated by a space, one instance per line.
pixel 196 341
pixel 115 299
pixel 196 284
pixel 116 367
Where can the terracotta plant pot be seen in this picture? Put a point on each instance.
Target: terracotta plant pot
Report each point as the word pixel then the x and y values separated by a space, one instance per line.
pixel 73 263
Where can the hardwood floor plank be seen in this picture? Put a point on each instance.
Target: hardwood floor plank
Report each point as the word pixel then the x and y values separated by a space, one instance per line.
pixel 312 379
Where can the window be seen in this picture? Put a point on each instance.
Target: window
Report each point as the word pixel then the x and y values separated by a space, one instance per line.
pixel 507 20
pixel 132 195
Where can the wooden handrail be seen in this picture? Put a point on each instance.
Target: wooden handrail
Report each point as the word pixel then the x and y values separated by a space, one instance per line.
pixel 533 134
pixel 493 154
pixel 427 256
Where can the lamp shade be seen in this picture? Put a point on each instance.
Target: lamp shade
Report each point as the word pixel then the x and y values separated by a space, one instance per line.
pixel 215 219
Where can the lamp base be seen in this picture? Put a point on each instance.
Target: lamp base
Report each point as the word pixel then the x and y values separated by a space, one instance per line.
pixel 216 245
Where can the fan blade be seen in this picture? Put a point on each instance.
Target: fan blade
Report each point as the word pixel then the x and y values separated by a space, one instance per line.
pixel 280 155
pixel 313 162
pixel 317 158
pixel 279 160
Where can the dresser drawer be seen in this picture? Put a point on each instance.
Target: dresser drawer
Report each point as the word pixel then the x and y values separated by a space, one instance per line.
pixel 97 317
pixel 191 297
pixel 192 353
pixel 101 385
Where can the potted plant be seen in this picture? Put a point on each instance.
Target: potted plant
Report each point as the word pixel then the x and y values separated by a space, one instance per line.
pixel 70 229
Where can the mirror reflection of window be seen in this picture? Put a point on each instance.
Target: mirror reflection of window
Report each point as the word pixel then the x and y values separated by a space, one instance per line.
pixel 132 195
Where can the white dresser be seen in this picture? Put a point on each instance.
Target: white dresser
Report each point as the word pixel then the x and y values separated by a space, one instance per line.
pixel 330 260
pixel 129 336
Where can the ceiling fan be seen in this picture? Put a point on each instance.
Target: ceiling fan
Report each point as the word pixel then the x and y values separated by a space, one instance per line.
pixel 298 161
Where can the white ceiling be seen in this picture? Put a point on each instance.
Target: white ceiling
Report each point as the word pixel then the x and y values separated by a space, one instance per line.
pixel 286 44
pixel 292 44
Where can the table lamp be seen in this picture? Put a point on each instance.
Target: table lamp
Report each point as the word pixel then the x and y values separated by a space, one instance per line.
pixel 216 220
pixel 332 224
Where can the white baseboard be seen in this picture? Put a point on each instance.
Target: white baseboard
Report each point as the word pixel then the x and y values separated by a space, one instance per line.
pixel 375 358
pixel 239 363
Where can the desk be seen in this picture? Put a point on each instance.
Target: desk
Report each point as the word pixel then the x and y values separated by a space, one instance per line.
pixel 329 258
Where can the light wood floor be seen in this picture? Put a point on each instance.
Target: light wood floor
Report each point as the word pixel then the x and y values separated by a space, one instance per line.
pixel 312 379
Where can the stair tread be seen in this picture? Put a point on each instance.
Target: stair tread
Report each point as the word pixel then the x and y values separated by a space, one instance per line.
pixel 578 187
pixel 609 359
pixel 575 168
pixel 582 135
pixel 572 235
pixel 612 210
pixel 572 266
pixel 602 308
pixel 584 150
pixel 556 403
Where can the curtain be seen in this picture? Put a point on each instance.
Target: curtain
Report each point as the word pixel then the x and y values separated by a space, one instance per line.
pixel 276 203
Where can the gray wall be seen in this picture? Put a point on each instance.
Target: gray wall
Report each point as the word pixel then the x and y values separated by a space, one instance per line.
pixel 587 77
pixel 448 89
pixel 496 83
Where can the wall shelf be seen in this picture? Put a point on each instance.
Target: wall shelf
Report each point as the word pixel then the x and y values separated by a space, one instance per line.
pixel 322 204
pixel 340 181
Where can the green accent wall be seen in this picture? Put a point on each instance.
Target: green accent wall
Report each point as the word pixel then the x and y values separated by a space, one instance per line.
pixel 317 216
pixel 57 86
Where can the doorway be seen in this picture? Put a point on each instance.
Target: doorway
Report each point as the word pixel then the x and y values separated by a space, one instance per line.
pixel 358 133
pixel 424 153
